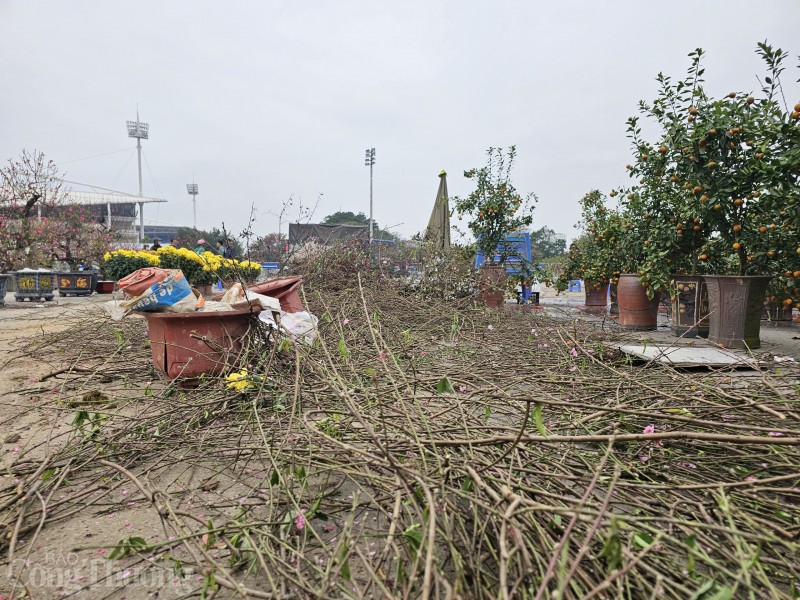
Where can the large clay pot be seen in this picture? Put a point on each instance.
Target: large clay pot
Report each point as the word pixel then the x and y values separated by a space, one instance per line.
pixel 689 315
pixel 596 294
pixel 492 285
pixel 187 345
pixel 636 311
pixel 285 289
pixel 734 306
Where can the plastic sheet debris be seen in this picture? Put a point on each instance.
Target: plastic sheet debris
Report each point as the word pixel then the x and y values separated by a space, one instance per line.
pixel 301 325
pixel 172 294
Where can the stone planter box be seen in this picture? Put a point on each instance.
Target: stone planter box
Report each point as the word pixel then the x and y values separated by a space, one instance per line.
pixel 4 279
pixel 34 285
pixel 77 283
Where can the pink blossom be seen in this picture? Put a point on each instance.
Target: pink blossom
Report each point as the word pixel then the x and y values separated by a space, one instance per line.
pixel 345 322
pixel 649 429
pixel 751 479
pixel 644 457
pixel 489 327
pixel 774 434
pixel 100 551
pixel 533 332
pixel 462 388
pixel 383 355
pixel 573 352
pixel 300 522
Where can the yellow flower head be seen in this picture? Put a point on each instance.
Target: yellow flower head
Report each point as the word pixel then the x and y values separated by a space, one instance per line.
pixel 242 382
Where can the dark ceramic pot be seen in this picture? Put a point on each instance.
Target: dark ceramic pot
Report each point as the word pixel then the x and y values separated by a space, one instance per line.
pixel 596 294
pixel 492 285
pixel 734 307
pixel 689 315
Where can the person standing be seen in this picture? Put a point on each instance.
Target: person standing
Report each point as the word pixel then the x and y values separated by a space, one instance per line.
pixel 227 251
pixel 201 246
pixel 220 248
pixel 174 243
pixel 156 244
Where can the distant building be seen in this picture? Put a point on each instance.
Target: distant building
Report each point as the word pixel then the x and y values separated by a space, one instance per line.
pixel 118 212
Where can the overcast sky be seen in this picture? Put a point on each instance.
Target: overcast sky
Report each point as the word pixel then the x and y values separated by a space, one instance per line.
pixel 260 101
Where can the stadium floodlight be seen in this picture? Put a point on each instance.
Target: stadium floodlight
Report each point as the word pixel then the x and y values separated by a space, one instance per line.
pixel 369 161
pixel 192 188
pixel 140 131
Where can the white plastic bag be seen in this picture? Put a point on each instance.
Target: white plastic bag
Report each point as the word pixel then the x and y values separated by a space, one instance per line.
pixel 301 325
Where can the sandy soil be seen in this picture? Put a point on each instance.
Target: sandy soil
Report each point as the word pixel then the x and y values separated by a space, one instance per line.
pixel 70 557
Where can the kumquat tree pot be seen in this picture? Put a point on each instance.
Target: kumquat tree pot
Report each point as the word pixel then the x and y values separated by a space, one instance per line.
pixel 637 312
pixel 689 297
pixel 734 305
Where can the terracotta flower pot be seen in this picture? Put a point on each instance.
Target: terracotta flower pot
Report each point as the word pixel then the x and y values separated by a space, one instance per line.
pixel 596 294
pixel 285 289
pixel 689 317
pixel 105 287
pixel 636 311
pixel 187 345
pixel 734 306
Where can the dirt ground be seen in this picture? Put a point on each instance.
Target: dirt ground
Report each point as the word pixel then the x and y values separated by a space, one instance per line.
pixel 69 555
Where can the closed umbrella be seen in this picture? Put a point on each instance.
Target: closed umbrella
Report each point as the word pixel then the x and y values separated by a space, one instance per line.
pixel 438 231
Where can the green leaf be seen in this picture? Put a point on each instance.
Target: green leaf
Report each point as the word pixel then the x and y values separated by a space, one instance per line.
pixel 467 484
pixel 700 592
pixel 118 550
pixel 537 419
pixel 50 473
pixel 275 478
pixel 444 386
pixel 642 540
pixel 414 537
pixel 344 569
pixel 612 549
pixel 148 391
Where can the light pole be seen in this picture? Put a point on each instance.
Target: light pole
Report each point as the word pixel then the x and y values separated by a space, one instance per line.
pixel 369 161
pixel 192 189
pixel 140 131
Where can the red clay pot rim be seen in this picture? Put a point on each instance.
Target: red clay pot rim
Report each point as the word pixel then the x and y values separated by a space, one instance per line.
pixel 200 314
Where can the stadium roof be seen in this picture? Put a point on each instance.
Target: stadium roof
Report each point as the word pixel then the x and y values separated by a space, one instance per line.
pixel 89 198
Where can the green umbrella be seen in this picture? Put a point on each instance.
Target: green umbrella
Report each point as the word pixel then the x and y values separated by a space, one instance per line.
pixel 438 231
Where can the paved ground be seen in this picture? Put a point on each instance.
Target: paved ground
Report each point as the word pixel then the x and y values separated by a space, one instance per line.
pixel 775 341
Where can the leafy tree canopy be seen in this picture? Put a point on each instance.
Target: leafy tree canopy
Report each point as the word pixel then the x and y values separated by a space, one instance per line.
pixel 547 243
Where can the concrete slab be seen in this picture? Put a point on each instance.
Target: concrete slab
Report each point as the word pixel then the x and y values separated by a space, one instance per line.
pixel 689 356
